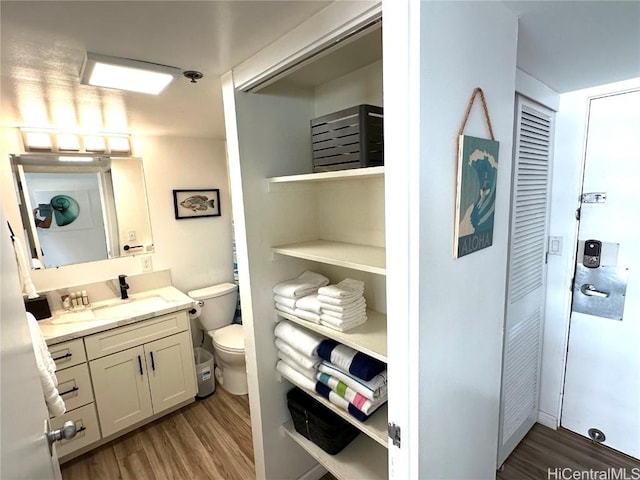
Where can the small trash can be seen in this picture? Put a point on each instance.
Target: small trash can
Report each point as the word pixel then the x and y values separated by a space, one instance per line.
pixel 204 372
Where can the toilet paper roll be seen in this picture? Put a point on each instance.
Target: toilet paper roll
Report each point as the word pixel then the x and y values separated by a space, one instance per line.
pixel 194 311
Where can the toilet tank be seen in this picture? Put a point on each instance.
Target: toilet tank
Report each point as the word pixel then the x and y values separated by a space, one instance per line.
pixel 218 305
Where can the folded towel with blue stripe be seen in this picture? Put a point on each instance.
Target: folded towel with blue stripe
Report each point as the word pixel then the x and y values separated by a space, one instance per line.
pixel 349 360
pixel 374 389
pixel 338 401
pixel 358 400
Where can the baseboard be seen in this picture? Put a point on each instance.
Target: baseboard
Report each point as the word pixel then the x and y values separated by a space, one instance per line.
pixel 316 473
pixel 547 420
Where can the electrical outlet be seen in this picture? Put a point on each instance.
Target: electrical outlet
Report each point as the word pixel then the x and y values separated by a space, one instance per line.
pixel 132 235
pixel 145 263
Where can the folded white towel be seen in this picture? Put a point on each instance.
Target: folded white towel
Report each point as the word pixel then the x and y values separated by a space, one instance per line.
pixel 299 338
pixel 343 326
pixel 310 373
pixel 306 284
pixel 303 360
pixel 329 307
pixel 351 314
pixel 373 389
pixel 46 369
pixel 285 309
pixel 289 302
pixel 344 289
pixel 310 303
pixel 296 377
pixel 339 302
pixel 306 315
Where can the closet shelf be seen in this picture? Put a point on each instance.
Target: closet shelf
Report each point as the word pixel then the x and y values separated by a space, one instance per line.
pixel 357 257
pixel 376 427
pixel 351 174
pixel 358 459
pixel 369 338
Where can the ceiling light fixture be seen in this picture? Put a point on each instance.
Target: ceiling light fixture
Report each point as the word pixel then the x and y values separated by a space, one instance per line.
pixel 126 74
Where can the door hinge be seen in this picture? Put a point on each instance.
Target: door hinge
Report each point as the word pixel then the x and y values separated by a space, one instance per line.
pixel 578 214
pixel 394 433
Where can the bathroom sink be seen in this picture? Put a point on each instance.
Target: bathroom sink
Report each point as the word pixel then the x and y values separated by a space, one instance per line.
pixel 115 310
pixel 131 307
pixel 73 317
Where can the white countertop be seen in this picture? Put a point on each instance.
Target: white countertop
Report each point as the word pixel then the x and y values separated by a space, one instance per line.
pixel 67 325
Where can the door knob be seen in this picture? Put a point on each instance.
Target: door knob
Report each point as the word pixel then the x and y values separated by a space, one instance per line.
pixel 590 290
pixel 67 432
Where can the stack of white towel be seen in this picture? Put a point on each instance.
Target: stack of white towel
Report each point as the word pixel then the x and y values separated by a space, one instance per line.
pixel 298 353
pixel 286 294
pixel 342 306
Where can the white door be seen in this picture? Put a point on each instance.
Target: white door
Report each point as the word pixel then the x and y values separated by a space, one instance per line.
pixel 23 445
pixel 527 274
pixel 121 388
pixel 602 381
pixel 170 367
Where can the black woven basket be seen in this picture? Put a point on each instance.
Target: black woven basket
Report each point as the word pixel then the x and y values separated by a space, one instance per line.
pixel 317 423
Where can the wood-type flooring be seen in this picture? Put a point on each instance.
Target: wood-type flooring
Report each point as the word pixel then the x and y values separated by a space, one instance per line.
pixel 211 440
pixel 208 439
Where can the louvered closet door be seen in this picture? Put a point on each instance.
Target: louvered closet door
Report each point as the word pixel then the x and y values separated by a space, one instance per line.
pixel 527 274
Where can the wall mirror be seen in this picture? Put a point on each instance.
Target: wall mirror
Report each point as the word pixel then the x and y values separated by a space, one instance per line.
pixel 80 208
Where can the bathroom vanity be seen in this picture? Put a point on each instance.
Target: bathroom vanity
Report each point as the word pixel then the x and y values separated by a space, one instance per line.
pixel 121 364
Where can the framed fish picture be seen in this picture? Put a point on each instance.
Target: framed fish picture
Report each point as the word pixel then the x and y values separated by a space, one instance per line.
pixel 476 194
pixel 196 203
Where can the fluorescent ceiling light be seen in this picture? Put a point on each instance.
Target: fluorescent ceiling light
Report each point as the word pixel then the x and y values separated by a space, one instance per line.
pixel 126 74
pixel 75 159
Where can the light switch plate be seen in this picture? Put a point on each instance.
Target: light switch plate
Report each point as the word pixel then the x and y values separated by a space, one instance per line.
pixel 555 246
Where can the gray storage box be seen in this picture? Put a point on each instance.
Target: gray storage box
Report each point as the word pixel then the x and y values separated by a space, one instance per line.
pixel 351 138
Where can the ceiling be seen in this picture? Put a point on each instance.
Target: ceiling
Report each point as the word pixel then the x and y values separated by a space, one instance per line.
pixel 568 45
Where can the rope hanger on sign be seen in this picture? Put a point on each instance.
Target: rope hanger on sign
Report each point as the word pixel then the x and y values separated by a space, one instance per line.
pixel 477 91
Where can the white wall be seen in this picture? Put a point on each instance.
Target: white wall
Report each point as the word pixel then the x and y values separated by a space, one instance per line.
pixel 197 251
pixel 463 45
pixel 571 124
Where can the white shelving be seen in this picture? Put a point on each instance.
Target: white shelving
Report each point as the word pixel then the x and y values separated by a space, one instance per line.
pixel 357 257
pixel 375 427
pixel 351 174
pixel 359 459
pixel 369 338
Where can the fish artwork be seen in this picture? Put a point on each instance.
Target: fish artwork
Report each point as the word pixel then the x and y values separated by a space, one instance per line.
pixel 198 202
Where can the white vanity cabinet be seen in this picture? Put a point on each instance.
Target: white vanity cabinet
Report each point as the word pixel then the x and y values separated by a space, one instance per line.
pixel 74 386
pixel 141 370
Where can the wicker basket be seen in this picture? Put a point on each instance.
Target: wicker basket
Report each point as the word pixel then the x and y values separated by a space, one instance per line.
pixel 351 138
pixel 317 423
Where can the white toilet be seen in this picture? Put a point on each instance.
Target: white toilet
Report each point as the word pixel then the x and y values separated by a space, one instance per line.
pixel 218 304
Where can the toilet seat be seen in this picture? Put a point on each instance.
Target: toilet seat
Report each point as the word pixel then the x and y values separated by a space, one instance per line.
pixel 229 338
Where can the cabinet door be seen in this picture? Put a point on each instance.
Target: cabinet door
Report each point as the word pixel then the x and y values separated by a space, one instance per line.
pixel 121 389
pixel 171 371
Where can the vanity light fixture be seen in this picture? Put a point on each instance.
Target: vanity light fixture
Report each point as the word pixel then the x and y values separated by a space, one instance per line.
pixel 94 143
pixel 37 140
pixel 68 142
pixel 49 140
pixel 126 74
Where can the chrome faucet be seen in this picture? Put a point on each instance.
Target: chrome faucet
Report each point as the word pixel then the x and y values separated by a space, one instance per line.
pixel 124 286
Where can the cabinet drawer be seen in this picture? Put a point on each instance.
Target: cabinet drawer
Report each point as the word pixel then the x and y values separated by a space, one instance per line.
pixel 84 417
pixel 118 339
pixel 68 354
pixel 74 386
